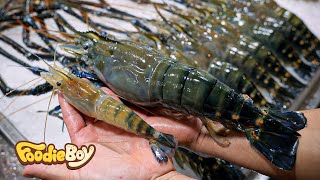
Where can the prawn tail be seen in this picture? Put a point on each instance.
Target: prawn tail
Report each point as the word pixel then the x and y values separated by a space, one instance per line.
pixel 164 146
pixel 273 132
pixel 280 149
pixel 291 119
pixel 277 137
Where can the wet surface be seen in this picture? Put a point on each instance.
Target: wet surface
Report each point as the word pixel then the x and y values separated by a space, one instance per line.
pixel 10 167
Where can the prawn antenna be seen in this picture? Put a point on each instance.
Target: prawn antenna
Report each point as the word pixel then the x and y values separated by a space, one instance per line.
pixel 23 92
pixel 55 55
pixel 51 67
pixel 31 68
pixel 47 114
pixel 43 60
pixel 18 87
pixel 24 107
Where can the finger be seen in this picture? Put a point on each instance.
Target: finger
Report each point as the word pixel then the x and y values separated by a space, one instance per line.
pixel 46 171
pixel 72 118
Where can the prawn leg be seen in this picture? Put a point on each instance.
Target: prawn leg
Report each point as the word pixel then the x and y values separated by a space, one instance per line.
pixel 216 132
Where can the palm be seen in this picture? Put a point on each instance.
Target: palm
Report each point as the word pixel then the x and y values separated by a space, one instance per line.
pixel 118 155
pixel 117 151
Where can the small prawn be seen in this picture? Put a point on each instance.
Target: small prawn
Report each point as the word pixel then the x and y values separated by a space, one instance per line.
pixel 93 102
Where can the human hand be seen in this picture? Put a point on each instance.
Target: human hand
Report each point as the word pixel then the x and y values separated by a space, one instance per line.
pixel 119 154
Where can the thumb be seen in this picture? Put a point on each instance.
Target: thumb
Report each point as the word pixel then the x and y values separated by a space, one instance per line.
pixel 59 171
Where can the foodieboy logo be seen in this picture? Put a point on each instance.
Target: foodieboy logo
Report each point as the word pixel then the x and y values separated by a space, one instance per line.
pixel 30 153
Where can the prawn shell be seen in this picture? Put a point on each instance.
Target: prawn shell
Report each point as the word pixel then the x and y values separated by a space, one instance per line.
pixel 156 80
pixel 196 89
pixel 217 99
pixel 119 115
pixel 173 86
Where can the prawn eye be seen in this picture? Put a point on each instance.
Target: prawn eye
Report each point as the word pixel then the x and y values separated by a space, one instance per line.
pixel 86 46
pixel 59 83
pixel 104 34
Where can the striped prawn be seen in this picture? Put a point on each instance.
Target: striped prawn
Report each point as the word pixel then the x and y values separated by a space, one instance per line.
pixel 143 76
pixel 93 102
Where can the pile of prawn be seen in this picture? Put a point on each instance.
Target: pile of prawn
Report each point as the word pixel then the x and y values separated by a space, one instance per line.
pixel 219 60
